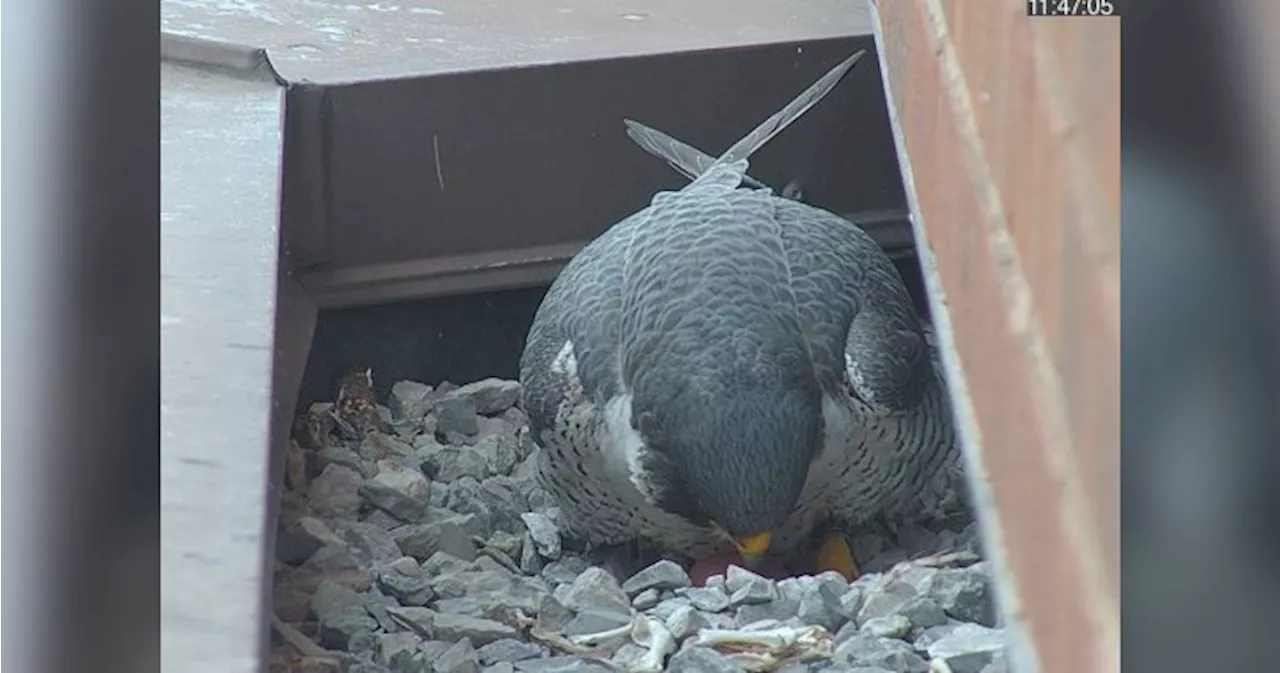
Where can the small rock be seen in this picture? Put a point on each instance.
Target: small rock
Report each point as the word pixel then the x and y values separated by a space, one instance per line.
pixel 507 543
pixel 629 657
pixel 378 446
pixel 341 614
pixel 461 657
pixel 779 610
pixel 508 650
pixel 422 541
pixel 819 604
pixel 552 614
pixel 933 634
pixel 685 621
pixel 662 575
pixel 530 561
pixel 499 452
pixel 665 609
pixel 371 543
pixel 399 491
pixel 432 649
pixel 404 580
pixel 595 588
pixel 490 396
pixel 394 647
pixel 544 534
pixel 702 660
pixel 649 598
pixel 336 492
pixel 562 665
pixel 335 563
pixel 969 648
pixel 922 612
pixel 452 463
pixel 455 414
pixel 596 620
pixel 748 588
pixel 409 400
pixel 500 667
pixel 884 601
pixel 479 631
pixel 869 651
pixel 564 570
pixel 963 593
pixel 341 456
pixel 893 626
pixel 298 540
pixel 851 602
pixel 291 604
pixel 419 620
pixel 707 599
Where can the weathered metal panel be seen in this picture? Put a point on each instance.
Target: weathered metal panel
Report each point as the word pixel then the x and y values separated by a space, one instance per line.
pixel 1017 222
pixel 220 170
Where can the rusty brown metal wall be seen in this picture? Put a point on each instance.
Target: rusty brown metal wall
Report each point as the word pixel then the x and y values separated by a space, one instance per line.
pixel 1009 132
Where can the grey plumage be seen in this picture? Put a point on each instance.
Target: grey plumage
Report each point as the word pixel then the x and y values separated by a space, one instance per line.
pixel 727 354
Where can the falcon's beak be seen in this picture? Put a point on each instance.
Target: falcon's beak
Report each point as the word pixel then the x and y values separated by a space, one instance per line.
pixel 752 548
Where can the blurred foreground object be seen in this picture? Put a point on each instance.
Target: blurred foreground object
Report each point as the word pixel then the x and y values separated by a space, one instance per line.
pixel 1008 133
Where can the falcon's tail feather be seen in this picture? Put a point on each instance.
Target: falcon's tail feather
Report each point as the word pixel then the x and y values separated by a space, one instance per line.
pixel 693 162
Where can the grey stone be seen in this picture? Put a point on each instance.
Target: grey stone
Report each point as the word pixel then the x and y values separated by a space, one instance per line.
pixel 595 588
pixel 503 498
pixel 432 649
pixel 666 608
pixel 564 664
pixel 964 593
pixel 649 598
pixel 418 620
pixel 544 534
pixel 565 570
pixel 467 496
pixel 378 446
pixel 819 604
pixel 629 656
pixel 499 452
pixel 456 414
pixel 933 634
pixel 341 615
pixel 363 644
pixel 381 519
pixel 780 610
pixel 409 400
pixel 866 650
pixel 702 660
pixel 300 538
pixel 400 491
pixel 443 563
pixel 342 457
pixel 685 621
pixel 480 631
pixel 552 614
pixel 370 543
pixel 377 603
pixel 461 657
pixel 489 396
pixel 336 492
pixel 884 600
pixel 404 580
pixel 393 647
pixel 336 563
pixel 893 626
pixel 422 541
pixel 506 542
pixel 851 602
pixel 452 463
pixel 748 588
pixel 661 575
pixel 291 604
pixel 530 561
pixel 499 667
pixel 707 599
pixel 509 650
pixel 969 648
pixel 922 612
pixel 596 620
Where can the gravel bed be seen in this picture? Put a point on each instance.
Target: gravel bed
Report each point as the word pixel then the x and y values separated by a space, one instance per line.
pixel 414 538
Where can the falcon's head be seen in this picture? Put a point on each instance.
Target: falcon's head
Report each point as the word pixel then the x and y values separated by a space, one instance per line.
pixel 729 449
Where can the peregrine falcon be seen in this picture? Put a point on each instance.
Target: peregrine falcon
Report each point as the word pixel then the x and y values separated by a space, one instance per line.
pixel 729 369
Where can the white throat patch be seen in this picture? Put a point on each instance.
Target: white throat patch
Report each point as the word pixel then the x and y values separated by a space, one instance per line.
pixel 625 442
